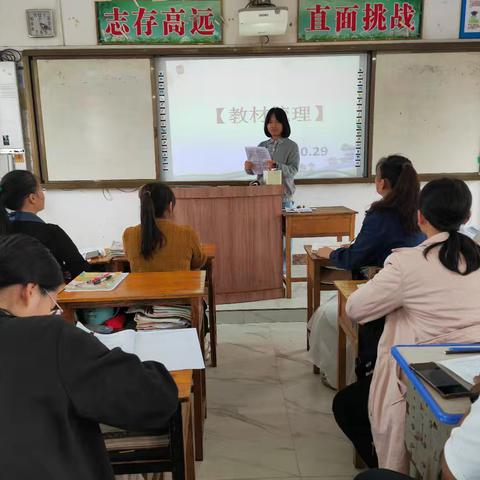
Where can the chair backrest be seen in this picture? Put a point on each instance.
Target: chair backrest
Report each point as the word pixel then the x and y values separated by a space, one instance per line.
pixel 139 453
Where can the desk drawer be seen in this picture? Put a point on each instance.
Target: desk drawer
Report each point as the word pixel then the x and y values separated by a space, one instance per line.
pixel 321 226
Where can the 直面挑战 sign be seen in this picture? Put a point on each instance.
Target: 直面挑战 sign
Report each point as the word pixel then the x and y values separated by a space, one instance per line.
pixel 331 20
pixel 167 22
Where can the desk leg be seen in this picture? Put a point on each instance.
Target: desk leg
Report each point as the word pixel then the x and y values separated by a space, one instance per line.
pixel 212 311
pixel 310 283
pixel 317 281
pixel 188 448
pixel 199 391
pixel 351 234
pixel 198 412
pixel 69 314
pixel 288 260
pixel 342 346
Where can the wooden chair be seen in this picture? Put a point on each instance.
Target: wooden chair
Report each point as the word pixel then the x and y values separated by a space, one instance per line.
pixel 142 453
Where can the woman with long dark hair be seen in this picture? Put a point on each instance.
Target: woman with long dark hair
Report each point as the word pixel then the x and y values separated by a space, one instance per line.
pixel 59 382
pixel 389 223
pixel 429 294
pixel 22 194
pixel 158 244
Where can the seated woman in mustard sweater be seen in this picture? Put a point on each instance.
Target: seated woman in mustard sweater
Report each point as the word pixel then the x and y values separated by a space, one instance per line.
pixel 158 244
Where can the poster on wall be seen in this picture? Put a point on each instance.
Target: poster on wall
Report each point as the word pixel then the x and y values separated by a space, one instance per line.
pixel 470 19
pixel 331 20
pixel 168 22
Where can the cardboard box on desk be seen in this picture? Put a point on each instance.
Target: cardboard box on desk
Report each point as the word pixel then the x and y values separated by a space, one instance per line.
pixel 272 177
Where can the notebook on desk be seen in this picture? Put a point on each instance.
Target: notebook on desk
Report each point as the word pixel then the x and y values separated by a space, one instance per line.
pixel 96 282
pixel 176 349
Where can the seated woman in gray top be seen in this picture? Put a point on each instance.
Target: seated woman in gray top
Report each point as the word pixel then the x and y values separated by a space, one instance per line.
pixel 284 152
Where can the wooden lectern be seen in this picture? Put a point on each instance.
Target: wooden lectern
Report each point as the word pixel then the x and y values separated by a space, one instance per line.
pixel 245 224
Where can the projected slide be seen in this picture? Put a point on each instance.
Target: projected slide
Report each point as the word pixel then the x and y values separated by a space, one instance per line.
pixel 211 109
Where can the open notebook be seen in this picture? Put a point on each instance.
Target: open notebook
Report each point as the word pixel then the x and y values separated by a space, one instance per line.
pixel 176 349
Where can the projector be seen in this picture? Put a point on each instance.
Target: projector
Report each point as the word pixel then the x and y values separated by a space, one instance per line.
pixel 268 20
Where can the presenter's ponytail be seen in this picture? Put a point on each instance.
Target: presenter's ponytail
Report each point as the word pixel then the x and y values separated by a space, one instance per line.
pixel 404 185
pixel 15 187
pixel 445 203
pixel 155 199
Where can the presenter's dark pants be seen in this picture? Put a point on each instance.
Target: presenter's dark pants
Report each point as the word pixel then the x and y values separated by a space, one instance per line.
pixel 381 475
pixel 350 408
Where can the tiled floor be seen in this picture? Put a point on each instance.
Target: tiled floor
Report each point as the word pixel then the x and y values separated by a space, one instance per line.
pixel 269 417
pixel 298 300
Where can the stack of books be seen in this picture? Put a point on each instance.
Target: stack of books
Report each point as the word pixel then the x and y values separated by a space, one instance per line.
pixel 162 317
pixel 115 250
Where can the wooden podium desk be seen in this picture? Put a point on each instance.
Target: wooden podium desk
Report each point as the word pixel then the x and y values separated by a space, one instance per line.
pixel 245 224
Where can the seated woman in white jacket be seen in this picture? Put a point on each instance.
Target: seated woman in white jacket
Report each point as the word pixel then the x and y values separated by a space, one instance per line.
pixel 429 294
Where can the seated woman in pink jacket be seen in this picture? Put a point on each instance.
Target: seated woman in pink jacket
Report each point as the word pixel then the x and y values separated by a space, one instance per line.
pixel 429 294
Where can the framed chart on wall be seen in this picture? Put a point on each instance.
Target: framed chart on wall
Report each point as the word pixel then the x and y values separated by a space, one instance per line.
pixel 470 19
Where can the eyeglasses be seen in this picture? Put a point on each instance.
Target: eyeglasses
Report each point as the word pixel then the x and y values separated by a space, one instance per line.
pixel 56 309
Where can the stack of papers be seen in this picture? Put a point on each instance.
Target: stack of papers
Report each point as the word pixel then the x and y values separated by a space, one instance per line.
pixel 162 317
pixel 299 210
pixel 259 156
pixel 115 250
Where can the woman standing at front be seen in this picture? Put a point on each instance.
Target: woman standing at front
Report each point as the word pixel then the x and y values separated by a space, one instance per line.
pixel 283 151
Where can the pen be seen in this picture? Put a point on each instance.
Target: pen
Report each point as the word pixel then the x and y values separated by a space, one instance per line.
pixel 98 280
pixel 94 281
pixel 466 349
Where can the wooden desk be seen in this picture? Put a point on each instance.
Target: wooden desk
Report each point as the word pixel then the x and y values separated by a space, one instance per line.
pixel 320 277
pixel 321 222
pixel 346 329
pixel 429 418
pixel 154 288
pixel 121 264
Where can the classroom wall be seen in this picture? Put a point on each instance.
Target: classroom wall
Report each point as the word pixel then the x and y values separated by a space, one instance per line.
pixel 76 22
pixel 107 213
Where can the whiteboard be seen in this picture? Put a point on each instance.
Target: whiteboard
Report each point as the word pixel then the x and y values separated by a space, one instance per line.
pixel 98 119
pixel 427 106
